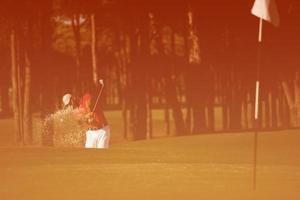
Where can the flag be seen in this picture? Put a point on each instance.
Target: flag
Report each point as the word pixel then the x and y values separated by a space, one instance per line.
pixel 267 10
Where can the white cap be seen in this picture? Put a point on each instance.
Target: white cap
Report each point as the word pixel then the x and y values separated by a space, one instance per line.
pixel 66 99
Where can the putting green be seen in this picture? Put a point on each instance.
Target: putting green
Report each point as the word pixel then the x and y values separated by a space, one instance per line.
pixel 217 166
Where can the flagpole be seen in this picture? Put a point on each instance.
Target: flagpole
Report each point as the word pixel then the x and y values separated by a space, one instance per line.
pixel 257 87
pixel 264 10
pixel 260 30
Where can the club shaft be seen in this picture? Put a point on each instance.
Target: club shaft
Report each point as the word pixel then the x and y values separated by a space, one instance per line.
pixel 98 97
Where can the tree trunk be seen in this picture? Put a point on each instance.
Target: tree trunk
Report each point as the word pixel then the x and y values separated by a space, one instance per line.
pixel 125 119
pixel 188 119
pixel 297 95
pixel 174 104
pixel 287 94
pixel 167 119
pixel 235 103
pixel 77 38
pixel 138 94
pixel 20 96
pixel 195 98
pixel 294 106
pixel 14 79
pixel 149 116
pixel 93 49
pixel 27 121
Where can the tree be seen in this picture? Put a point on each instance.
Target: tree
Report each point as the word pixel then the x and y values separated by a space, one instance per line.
pixel 293 99
pixel 15 85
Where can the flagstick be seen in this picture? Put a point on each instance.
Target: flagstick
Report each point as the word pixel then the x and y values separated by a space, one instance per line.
pixel 257 102
pixel 260 30
pixel 256 126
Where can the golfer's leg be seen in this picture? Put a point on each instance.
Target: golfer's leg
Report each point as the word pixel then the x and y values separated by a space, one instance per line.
pixel 101 139
pixel 90 139
pixel 107 136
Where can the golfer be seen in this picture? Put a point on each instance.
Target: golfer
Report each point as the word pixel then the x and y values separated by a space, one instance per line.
pixel 98 133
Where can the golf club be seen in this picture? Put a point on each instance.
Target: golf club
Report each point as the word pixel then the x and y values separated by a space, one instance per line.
pixel 99 94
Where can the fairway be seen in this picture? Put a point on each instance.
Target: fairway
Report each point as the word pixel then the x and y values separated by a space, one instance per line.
pixel 216 166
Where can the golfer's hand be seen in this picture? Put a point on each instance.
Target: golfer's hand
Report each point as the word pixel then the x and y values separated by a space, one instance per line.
pixel 90 117
pixel 90 120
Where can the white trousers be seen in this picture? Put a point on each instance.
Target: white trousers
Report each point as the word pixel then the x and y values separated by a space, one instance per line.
pixel 98 138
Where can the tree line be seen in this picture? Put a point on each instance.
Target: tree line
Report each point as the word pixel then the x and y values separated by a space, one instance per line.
pixel 186 58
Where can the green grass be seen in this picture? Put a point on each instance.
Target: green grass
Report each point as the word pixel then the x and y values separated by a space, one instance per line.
pixel 6 132
pixel 211 166
pixel 215 166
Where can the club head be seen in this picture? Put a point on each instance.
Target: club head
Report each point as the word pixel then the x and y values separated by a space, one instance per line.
pixel 101 82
